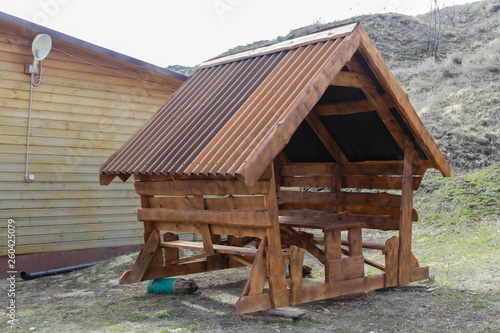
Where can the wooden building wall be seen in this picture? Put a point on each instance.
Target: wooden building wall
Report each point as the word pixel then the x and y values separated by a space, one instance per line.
pixel 81 115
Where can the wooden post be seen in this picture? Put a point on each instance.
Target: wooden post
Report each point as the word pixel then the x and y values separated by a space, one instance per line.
pixel 336 184
pixel 405 224
pixel 275 268
pixel 149 228
pixel 296 263
pixel 171 254
pixel 333 250
pixel 391 261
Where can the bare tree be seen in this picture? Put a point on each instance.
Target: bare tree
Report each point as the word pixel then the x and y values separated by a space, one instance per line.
pixel 438 22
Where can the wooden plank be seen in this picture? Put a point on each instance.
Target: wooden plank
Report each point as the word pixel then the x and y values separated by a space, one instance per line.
pixel 253 303
pixel 391 261
pixel 326 224
pixel 275 142
pixel 405 227
pixel 200 187
pixel 237 218
pixel 57 114
pixel 234 230
pixel 388 168
pixel 349 107
pixel 258 274
pixel 225 249
pixel 341 198
pixel 276 271
pixel 332 251
pixel 363 182
pixel 377 210
pixel 143 261
pixel 340 288
pixel 355 242
pixel 346 268
pixel 296 265
pixel 235 203
pixel 371 221
pixel 391 86
pixel 419 273
pixel 326 138
pixel 149 228
pixel 351 79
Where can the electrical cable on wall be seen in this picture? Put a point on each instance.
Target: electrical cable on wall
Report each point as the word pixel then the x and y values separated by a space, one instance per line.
pixel 41 46
pixel 29 178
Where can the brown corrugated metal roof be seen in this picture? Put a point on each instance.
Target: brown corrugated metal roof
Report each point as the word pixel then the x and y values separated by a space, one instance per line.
pixel 236 113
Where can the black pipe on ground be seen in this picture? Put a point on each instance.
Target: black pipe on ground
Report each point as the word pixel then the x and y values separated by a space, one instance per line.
pixel 31 276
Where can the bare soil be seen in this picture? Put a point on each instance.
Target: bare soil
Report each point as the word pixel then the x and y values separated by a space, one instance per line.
pixel 91 300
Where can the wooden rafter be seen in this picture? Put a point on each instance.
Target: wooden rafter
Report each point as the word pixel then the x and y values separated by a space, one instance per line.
pixel 405 224
pixel 351 79
pixel 349 107
pixel 379 104
pixel 402 103
pixel 326 138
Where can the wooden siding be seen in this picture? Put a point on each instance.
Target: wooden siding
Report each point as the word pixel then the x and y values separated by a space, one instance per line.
pixel 81 114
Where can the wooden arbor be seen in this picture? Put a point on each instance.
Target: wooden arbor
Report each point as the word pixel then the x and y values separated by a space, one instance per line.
pixel 241 179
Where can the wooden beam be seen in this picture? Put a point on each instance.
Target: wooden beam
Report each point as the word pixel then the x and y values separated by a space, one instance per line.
pixel 341 198
pixel 274 255
pixel 351 79
pixel 340 288
pixel 402 103
pixel 258 274
pixel 285 129
pixel 371 221
pixel 391 261
pixel 370 168
pixel 224 249
pixel 365 182
pixel 343 108
pixel 199 187
pixel 326 138
pixel 250 218
pixel 296 263
pixel 143 261
pixel 405 226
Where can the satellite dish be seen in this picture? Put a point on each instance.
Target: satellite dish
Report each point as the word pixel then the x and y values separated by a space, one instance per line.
pixel 41 46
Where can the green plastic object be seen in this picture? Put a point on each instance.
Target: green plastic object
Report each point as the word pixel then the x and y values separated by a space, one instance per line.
pixel 161 286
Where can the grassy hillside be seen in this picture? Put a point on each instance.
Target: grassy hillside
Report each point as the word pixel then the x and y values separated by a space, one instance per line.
pixel 458 96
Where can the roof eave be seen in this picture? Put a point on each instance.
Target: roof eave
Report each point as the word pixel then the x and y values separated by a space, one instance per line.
pixel 56 34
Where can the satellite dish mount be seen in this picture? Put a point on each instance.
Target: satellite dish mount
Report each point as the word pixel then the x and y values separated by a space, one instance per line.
pixel 41 47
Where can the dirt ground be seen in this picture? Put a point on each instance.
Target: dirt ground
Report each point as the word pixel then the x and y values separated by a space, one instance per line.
pixel 91 300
